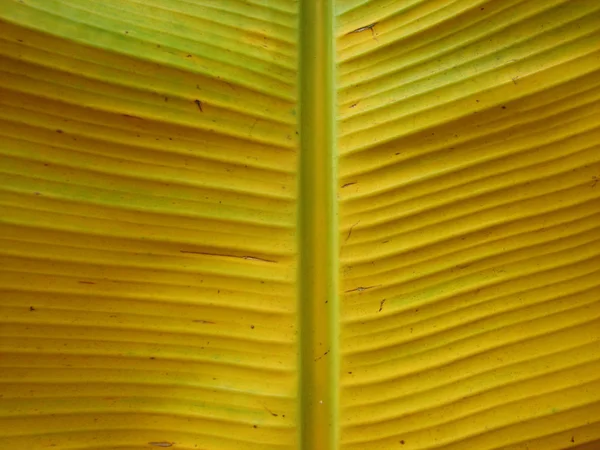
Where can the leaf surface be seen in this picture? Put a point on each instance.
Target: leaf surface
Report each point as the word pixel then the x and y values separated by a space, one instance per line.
pixel 272 224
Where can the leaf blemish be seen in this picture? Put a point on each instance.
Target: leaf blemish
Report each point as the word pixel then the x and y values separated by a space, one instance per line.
pixel 365 28
pixel 361 29
pixel 270 412
pixel 324 354
pixel 247 258
pixel 350 232
pixel 362 288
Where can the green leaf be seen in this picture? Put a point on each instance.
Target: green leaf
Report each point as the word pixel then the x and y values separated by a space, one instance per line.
pixel 272 224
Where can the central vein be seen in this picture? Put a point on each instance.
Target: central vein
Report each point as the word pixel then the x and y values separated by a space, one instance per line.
pixel 317 231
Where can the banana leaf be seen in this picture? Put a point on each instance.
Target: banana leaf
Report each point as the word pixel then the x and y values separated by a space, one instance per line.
pixel 314 224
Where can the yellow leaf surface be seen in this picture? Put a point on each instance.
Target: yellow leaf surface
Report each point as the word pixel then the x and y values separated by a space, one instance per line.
pixel 313 224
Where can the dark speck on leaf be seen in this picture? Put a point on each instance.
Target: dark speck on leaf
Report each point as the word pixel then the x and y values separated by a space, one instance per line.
pixel 31 308
pixel 324 354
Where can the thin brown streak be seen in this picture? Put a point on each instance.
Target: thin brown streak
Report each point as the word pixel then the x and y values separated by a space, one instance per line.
pixel 270 412
pixel 350 232
pixel 365 28
pixel 324 354
pixel 225 255
pixel 362 288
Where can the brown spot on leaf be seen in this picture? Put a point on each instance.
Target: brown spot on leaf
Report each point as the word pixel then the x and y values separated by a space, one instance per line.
pixel 324 354
pixel 362 288
pixel 350 231
pixel 226 255
pixel 365 28
pixel 270 412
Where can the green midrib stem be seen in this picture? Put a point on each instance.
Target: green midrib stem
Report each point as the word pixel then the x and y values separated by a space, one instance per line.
pixel 318 303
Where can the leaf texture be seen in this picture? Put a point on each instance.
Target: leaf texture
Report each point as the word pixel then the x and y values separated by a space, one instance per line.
pixel 148 198
pixel 469 224
pixel 258 224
